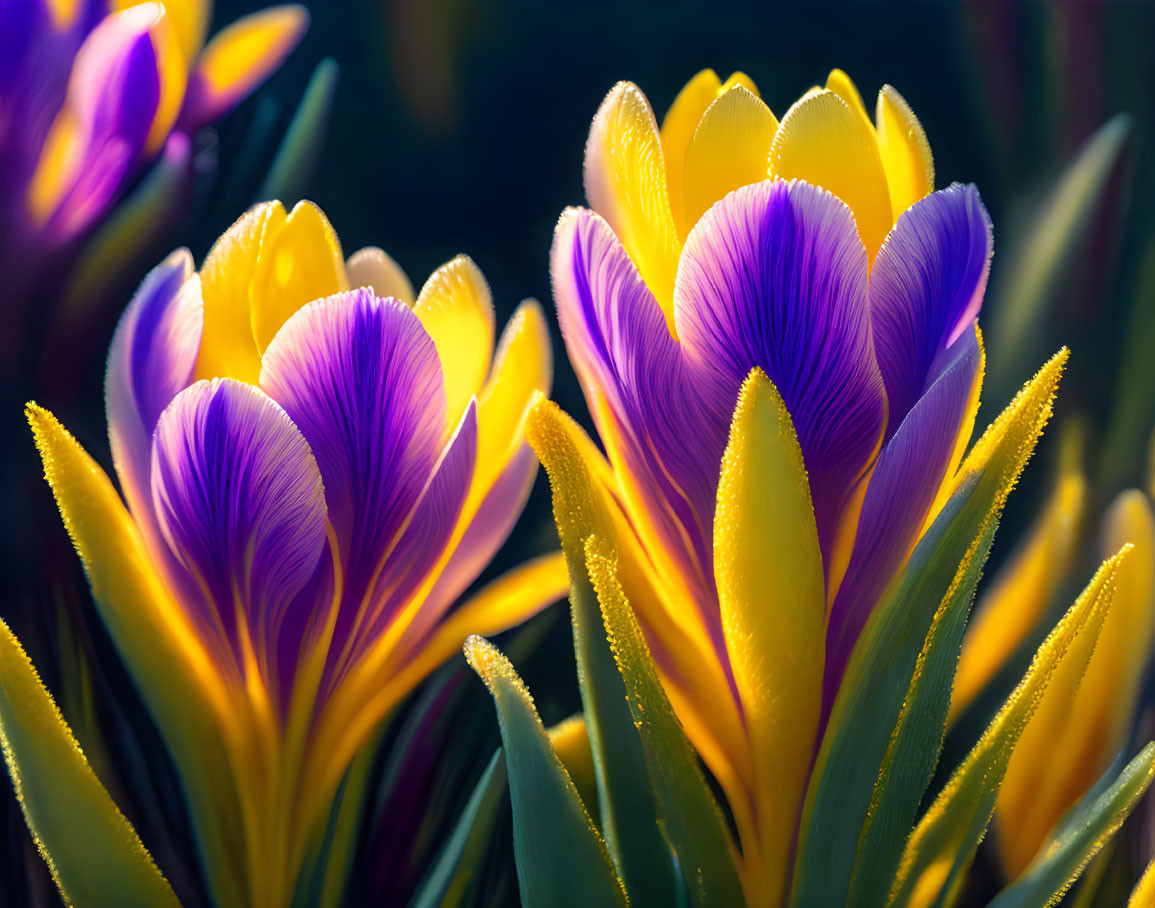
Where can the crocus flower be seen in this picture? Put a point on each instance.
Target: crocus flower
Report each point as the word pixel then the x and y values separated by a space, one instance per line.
pixel 92 91
pixel 313 476
pixel 860 311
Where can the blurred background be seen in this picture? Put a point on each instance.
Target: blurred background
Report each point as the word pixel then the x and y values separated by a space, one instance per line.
pixel 459 126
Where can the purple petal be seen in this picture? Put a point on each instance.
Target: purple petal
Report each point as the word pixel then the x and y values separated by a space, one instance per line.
pixel 925 289
pixel 113 96
pixel 906 479
pixel 361 378
pixel 622 350
pixel 774 276
pixel 151 358
pixel 488 529
pixel 239 500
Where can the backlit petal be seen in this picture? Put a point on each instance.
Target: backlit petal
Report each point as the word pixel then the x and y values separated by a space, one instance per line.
pixel 625 182
pixel 822 141
pixel 774 276
pixel 926 288
pixel 771 590
pixel 730 148
pixel 905 151
pixel 375 268
pixel 678 127
pixel 456 309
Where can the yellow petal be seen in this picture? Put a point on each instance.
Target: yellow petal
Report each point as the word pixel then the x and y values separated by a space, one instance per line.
pixel 522 367
pixel 904 149
pixel 1017 598
pixel 730 148
pixel 1143 896
pixel 240 56
pixel 94 854
pixel 1039 787
pixel 299 261
pixel 843 86
pixel 190 19
pixel 625 182
pixel 771 590
pixel 822 141
pixel 678 127
pixel 456 309
pixel 227 346
pixel 739 78
pixel 374 268
pixel 571 742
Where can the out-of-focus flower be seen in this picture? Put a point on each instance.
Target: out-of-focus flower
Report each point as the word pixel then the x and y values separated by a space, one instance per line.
pixel 92 91
pixel 313 477
pixel 785 379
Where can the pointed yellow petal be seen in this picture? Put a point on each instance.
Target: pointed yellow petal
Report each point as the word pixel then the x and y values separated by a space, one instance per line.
pixel 958 815
pixel 905 151
pixel 375 268
pixel 190 19
pixel 678 127
pixel 299 261
pixel 95 855
pixel 625 181
pixel 522 368
pixel 172 74
pixel 730 148
pixel 843 86
pixel 1039 785
pixel 227 346
pixel 571 742
pixel 1016 599
pixel 739 78
pixel 456 309
pixel 768 566
pixel 823 142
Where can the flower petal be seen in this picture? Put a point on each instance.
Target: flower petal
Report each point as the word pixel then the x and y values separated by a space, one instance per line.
pixel 456 309
pixel 730 148
pixel 239 500
pixel 375 268
pixel 910 471
pixel 926 287
pixel 227 348
pixel 905 151
pixel 678 127
pixel 625 182
pixel 624 355
pixel 151 358
pixel 299 261
pixel 360 377
pixel 774 276
pixel 238 59
pixel 772 594
pixel 824 142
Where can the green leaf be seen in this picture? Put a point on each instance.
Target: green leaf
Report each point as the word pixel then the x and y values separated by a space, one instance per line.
pixel 1080 834
pixel 1034 270
pixel 627 811
pixel 916 742
pixel 95 855
pixel 688 814
pixel 301 148
pixel 944 843
pixel 561 858
pixel 448 881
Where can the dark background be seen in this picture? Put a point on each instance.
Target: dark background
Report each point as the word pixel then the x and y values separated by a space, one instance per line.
pixel 459 126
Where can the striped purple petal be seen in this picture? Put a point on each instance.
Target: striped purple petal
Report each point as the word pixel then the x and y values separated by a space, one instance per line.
pixel 150 360
pixel 621 348
pixel 925 289
pixel 361 378
pixel 240 503
pixel 775 276
pixel 910 470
